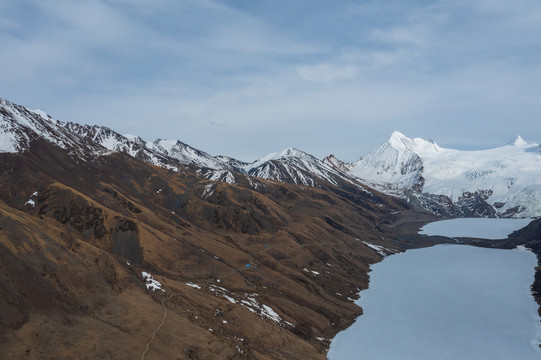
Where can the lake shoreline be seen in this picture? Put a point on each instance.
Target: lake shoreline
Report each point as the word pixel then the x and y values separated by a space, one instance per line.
pixel 529 239
pixel 529 236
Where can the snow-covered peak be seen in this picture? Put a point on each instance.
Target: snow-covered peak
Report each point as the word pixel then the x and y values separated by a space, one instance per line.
pixel 19 126
pixel 291 152
pixel 236 164
pixel 187 154
pixel 164 145
pixel 399 141
pixel 286 153
pixel 508 178
pixel 42 113
pixel 336 163
pixel 107 138
pixel 397 163
pixel 520 142
pixel 419 146
pixel 294 166
pixel 134 138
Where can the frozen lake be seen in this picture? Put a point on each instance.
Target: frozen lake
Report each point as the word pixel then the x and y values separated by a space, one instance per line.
pixel 446 302
pixel 475 227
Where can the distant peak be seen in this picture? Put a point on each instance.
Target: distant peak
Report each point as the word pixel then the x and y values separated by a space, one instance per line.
pixel 166 142
pixel 335 163
pixel 399 141
pixel 134 138
pixel 284 154
pixel 397 135
pixel 131 137
pixel 519 141
pixel 41 113
pixel 168 145
pixel 331 157
pixel 289 152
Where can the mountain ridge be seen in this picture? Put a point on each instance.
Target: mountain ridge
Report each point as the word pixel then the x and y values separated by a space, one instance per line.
pixel 499 182
pixel 100 247
pixel 290 165
pixel 502 181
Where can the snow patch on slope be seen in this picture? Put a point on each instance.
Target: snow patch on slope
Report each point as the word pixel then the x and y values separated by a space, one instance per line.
pixel 151 283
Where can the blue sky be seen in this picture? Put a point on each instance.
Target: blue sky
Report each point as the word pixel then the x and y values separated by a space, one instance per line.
pixel 247 77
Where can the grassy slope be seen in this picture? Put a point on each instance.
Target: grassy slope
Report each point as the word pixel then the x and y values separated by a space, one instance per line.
pixel 68 291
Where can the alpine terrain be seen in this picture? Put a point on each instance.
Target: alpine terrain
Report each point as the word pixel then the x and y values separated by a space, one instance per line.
pixel 112 247
pixel 500 182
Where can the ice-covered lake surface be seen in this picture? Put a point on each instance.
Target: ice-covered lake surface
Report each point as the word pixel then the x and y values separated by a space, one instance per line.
pixel 446 302
pixel 475 227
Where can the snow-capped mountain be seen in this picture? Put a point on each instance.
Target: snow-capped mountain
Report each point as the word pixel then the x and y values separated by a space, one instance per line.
pixel 236 164
pixel 504 181
pixel 396 163
pixel 186 154
pixel 115 142
pixel 19 126
pixel 107 138
pixel 167 153
pixel 293 166
pixel 336 163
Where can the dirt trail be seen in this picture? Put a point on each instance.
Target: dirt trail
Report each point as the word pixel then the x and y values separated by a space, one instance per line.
pixel 252 262
pixel 157 329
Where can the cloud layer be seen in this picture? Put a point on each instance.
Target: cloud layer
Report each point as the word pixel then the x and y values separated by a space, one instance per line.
pixel 245 78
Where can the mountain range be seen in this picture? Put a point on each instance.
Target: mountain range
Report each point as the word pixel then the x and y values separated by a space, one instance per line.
pixel 114 247
pixel 500 182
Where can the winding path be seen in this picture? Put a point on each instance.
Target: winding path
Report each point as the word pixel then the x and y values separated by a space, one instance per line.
pixel 252 261
pixel 157 329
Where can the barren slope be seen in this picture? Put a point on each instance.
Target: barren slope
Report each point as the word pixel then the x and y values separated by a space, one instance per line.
pixel 259 275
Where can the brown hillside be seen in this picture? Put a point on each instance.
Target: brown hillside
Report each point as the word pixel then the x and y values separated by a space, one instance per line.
pixel 247 274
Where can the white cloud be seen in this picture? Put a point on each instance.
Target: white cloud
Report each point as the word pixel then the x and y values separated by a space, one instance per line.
pixel 409 35
pixel 326 73
pixel 318 80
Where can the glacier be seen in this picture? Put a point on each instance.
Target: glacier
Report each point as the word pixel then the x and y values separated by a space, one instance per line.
pixel 506 178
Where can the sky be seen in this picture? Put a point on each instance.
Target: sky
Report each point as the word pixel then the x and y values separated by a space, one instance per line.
pixel 244 78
